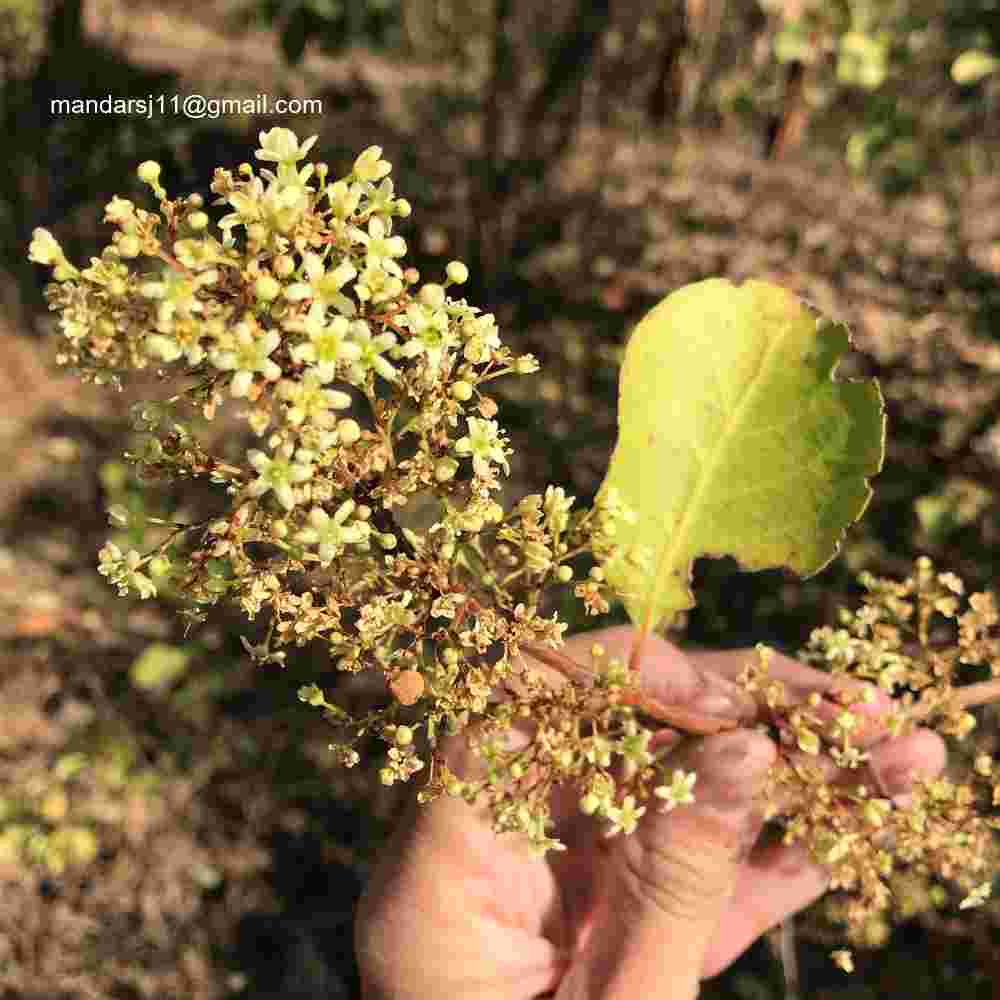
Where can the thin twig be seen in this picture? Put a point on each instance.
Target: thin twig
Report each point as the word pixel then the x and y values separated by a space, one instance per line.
pixel 675 716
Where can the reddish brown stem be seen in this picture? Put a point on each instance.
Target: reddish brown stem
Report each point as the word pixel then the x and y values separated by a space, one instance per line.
pixel 675 716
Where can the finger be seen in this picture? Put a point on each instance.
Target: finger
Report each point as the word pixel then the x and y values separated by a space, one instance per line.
pixel 773 883
pixel 668 675
pixel 896 764
pixel 891 768
pixel 778 880
pixel 800 681
pixel 671 880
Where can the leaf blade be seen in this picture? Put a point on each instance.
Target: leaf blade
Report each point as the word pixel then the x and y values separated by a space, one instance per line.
pixel 729 414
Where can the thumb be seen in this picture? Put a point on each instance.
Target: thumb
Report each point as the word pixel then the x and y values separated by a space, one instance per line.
pixel 669 883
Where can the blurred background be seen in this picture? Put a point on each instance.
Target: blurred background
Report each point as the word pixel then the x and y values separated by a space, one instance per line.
pixel 170 823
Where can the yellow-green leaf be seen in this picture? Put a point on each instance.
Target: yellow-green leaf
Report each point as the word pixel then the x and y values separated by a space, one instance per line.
pixel 735 439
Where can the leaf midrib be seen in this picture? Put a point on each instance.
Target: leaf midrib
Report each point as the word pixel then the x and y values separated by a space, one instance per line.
pixel 672 546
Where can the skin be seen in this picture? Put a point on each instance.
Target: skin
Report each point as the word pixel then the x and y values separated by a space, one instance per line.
pixel 454 911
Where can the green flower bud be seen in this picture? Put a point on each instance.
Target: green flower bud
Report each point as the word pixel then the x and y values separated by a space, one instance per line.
pixel 349 431
pixel 266 288
pixel 589 804
pixel 432 295
pixel 564 574
pixel 149 172
pixel 445 470
pixel 457 272
pixel 404 736
pixel 197 221
pixel 526 364
pixel 462 391
pixel 129 247
pixel 387 776
pixel 159 566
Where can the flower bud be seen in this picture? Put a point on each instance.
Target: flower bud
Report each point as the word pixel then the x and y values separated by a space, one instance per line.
pixel 457 272
pixel 526 364
pixel 589 804
pixel 266 288
pixel 564 574
pixel 432 295
pixel 198 221
pixel 349 431
pixel 311 694
pixel 462 391
pixel 404 736
pixel 445 470
pixel 149 172
pixel 387 776
pixel 159 566
pixel 129 246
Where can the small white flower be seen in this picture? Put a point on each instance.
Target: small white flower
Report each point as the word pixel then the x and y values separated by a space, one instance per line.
pixel 371 351
pixel 484 444
pixel 328 346
pixel 322 286
pixel 344 198
pixel 977 897
pixel 250 356
pixel 369 166
pixel 333 534
pixel 380 248
pixel 123 571
pixel 44 249
pixel 279 474
pixel 678 792
pixel 624 818
pixel 310 401
pixel 431 335
pixel 281 145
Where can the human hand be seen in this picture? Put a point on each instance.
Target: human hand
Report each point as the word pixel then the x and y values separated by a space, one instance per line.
pixel 454 911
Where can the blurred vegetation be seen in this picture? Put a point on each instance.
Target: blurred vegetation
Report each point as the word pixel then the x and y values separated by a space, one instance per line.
pixel 169 823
